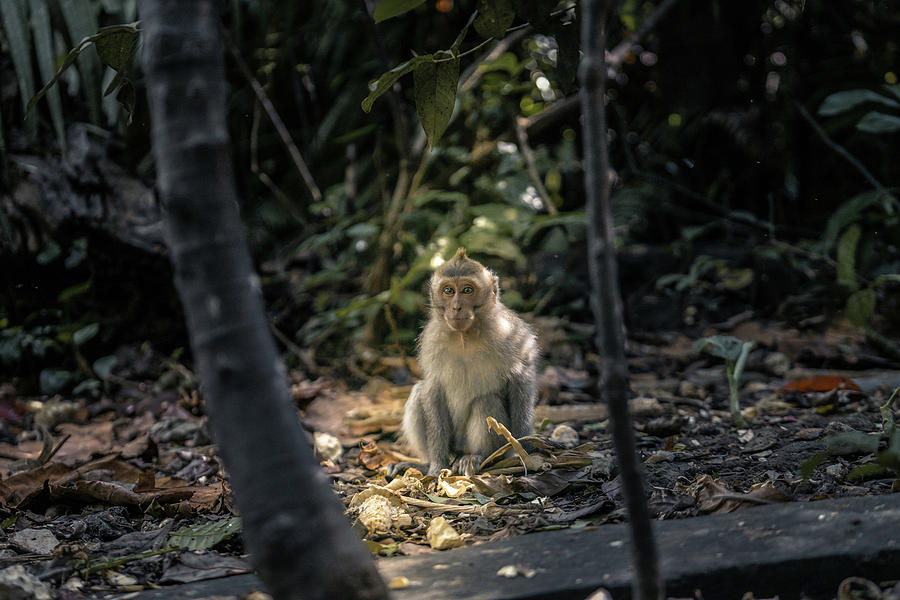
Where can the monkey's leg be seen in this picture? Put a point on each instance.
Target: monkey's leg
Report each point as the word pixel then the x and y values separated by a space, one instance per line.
pixel 427 425
pixel 479 441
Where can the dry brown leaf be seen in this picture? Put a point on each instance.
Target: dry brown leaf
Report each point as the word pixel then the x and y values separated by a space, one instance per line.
pixel 441 536
pixel 453 486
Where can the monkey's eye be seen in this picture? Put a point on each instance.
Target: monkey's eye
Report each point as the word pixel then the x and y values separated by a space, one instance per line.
pixel 468 289
pixel 449 290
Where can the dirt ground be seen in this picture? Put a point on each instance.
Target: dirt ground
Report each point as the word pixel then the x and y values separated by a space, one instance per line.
pixel 122 490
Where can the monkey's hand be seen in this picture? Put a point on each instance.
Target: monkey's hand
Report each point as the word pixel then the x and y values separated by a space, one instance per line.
pixel 469 464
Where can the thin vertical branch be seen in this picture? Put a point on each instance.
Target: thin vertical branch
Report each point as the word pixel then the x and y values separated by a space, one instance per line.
pixel 606 302
pixel 283 134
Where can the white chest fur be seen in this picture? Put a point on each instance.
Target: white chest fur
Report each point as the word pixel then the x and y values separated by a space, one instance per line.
pixel 470 375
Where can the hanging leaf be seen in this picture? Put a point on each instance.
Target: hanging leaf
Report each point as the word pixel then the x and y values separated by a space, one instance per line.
pixel 494 18
pixel 841 102
pixel 860 306
pixel 85 334
pixel 846 214
pixel 846 257
pixel 114 51
pixel 46 58
pixel 894 89
pixel 878 122
pixel 391 8
pixel 384 83
pixel 435 92
pixel 122 39
pixel 12 14
pixel 205 535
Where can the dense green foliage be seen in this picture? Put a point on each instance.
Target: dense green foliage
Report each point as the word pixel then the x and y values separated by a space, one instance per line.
pixel 731 127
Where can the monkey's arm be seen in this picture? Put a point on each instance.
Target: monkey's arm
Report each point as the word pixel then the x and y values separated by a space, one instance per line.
pixel 521 394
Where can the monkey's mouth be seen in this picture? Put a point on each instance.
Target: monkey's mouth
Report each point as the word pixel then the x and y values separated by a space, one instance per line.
pixel 459 323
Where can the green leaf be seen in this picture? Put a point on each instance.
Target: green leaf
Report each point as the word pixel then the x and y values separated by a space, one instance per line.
pixel 115 44
pixel 860 306
pixel 893 89
pixel 841 102
pixel 379 86
pixel 88 386
pixel 85 334
pixel 103 366
pixel 866 471
pixel 50 252
pixel 113 49
pixel 480 241
pixel 205 535
pixel 53 381
pixel 846 257
pixel 877 122
pixel 722 346
pixel 428 196
pixel 46 58
pixel 809 465
pixel 355 134
pixel 435 92
pixel 577 219
pixel 15 24
pixel 852 442
pixel 847 213
pixel 494 18
pixel 76 290
pixel 391 8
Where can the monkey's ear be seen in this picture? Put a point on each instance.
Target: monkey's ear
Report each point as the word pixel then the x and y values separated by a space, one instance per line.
pixel 495 281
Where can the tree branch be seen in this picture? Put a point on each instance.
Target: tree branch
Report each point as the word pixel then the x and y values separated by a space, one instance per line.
pixel 606 301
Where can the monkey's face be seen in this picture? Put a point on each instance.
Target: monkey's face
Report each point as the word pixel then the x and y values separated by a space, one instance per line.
pixel 460 299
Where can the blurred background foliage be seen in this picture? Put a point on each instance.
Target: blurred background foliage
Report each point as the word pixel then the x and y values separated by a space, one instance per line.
pixel 754 145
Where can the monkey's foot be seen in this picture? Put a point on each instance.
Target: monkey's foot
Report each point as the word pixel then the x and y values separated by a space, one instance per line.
pixel 398 468
pixel 469 464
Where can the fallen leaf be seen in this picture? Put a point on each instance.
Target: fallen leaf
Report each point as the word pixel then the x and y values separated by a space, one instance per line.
pixel 441 536
pixel 197 566
pixel 821 383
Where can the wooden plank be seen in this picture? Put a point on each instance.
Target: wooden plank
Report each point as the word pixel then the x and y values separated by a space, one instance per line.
pixel 785 550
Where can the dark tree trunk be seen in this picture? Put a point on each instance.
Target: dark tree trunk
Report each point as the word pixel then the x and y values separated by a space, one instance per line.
pixel 606 302
pixel 294 526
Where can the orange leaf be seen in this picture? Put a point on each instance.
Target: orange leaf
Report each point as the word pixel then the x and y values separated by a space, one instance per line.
pixel 822 383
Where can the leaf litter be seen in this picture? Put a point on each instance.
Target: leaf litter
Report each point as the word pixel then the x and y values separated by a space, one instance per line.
pixel 125 491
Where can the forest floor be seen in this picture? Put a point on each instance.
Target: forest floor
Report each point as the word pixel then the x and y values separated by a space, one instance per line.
pixel 124 492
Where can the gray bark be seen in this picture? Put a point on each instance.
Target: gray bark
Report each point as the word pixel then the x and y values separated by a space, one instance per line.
pixel 293 525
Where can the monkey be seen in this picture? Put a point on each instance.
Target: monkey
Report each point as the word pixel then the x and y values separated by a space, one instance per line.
pixel 478 360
